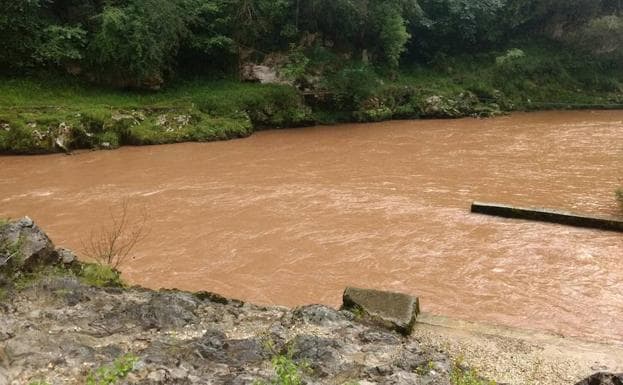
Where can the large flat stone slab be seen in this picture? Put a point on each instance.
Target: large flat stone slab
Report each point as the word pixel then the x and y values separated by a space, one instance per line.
pixel 396 311
pixel 549 215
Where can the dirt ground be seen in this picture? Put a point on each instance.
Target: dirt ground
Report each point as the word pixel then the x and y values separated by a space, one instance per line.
pixel 518 357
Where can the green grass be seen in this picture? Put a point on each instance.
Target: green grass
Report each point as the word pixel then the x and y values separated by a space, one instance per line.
pixel 25 280
pixel 100 276
pixel 88 274
pixel 106 375
pixel 34 112
pixel 545 76
pixel 112 374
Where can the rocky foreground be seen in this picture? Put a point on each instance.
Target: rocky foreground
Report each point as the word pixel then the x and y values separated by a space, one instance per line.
pixel 56 328
pixel 60 330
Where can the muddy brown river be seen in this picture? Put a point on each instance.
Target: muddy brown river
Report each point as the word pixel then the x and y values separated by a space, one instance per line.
pixel 293 216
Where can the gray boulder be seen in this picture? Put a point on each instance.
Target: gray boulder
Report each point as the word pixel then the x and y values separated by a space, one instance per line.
pixel 22 241
pixel 603 379
pixel 66 256
pixel 395 311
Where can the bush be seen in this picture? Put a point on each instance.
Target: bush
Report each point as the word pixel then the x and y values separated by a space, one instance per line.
pixel 11 257
pixel 510 56
pixel 21 140
pixel 287 370
pixel 112 244
pixel 274 106
pixel 351 86
pixel 100 276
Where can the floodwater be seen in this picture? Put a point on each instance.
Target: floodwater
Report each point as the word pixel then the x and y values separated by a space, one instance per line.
pixel 291 217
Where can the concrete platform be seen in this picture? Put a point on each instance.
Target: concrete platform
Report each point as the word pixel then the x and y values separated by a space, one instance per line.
pixel 549 215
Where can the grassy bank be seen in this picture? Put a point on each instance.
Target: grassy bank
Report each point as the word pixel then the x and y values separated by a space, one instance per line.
pixel 43 115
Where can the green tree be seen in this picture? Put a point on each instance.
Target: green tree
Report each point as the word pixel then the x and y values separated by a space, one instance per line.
pixel 136 44
pixel 602 36
pixel 21 31
pixel 457 25
pixel 61 44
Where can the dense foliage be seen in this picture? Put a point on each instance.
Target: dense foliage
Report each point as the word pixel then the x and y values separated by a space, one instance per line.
pixel 137 43
pixel 66 65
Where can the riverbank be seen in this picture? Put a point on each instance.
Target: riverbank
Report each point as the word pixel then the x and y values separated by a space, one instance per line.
pixel 44 115
pixel 59 326
pixel 518 356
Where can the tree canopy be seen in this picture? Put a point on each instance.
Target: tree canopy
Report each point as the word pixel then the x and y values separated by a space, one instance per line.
pixel 133 42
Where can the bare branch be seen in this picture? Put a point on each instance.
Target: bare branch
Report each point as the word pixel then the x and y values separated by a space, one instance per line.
pixel 112 245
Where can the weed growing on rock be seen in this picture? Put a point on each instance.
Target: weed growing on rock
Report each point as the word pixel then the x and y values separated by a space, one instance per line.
pixel 358 312
pixel 423 370
pixel 619 196
pixel 112 374
pixel 11 255
pixel 288 371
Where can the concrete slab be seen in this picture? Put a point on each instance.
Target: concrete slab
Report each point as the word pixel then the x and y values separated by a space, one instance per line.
pixel 396 311
pixel 549 215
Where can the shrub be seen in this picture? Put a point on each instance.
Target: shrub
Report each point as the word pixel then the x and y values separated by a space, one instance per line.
pixel 288 372
pixel 510 56
pixel 350 86
pixel 100 276
pixel 112 244
pixel 20 140
pixel 11 256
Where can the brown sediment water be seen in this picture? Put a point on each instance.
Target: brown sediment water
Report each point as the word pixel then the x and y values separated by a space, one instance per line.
pixel 293 216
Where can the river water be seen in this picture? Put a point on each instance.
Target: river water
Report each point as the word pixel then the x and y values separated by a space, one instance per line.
pixel 291 217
